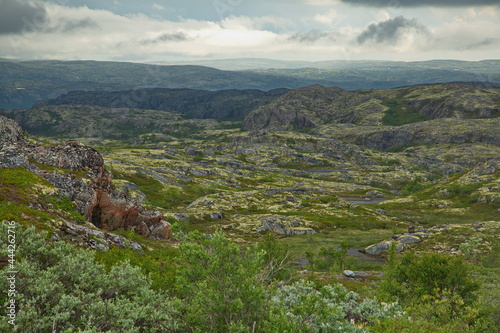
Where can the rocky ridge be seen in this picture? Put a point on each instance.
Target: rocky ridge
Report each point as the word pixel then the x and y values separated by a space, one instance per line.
pixel 77 171
pixel 314 106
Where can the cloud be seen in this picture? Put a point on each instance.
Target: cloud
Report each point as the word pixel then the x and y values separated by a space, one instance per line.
pixel 65 25
pixel 463 35
pixel 18 16
pixel 328 18
pixel 167 37
pixel 391 30
pixel 313 36
pixel 422 3
pixel 82 31
pixel 158 6
pixel 483 43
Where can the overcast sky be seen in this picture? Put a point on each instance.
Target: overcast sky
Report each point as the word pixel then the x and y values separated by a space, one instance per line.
pixel 313 30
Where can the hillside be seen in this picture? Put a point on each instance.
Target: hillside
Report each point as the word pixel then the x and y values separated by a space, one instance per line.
pixel 188 102
pixel 313 106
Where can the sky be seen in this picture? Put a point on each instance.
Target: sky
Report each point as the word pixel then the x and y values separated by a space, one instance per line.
pixel 191 30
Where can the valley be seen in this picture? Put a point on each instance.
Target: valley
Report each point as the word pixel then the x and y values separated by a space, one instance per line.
pixel 344 180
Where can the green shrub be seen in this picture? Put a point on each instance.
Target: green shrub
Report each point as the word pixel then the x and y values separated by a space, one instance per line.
pixel 301 307
pixel 219 284
pixel 61 288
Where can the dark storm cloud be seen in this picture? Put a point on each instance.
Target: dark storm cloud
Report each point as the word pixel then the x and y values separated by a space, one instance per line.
pixel 422 3
pixel 167 37
pixel 17 16
pixel 312 36
pixel 390 30
pixel 67 26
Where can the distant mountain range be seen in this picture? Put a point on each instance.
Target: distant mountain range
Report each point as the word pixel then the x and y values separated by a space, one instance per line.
pixel 23 83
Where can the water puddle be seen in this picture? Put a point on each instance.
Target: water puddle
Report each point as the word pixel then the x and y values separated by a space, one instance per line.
pixel 365 257
pixel 328 170
pixel 361 200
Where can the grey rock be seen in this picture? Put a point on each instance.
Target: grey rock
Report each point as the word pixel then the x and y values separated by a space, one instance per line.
pixel 216 216
pixel 11 133
pixel 98 245
pixel 408 239
pixel 200 172
pixel 349 274
pixel 96 239
pixel 181 216
pixel 183 178
pixel 378 248
pixel 384 246
pixel 277 225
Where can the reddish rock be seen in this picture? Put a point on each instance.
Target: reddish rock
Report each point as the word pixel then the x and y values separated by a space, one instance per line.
pixel 161 230
pixel 142 229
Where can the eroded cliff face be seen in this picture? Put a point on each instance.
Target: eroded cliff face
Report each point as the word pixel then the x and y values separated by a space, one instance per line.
pixel 78 172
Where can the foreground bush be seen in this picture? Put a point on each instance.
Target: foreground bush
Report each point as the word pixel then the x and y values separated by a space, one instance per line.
pixel 62 289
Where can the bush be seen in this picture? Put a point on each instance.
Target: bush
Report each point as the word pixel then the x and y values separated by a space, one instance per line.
pixel 301 307
pixel 62 288
pixel 431 274
pixel 219 284
pixel 437 290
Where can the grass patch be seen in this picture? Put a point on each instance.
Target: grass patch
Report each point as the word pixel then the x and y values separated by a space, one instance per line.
pixel 400 113
pixel 169 197
pixel 157 261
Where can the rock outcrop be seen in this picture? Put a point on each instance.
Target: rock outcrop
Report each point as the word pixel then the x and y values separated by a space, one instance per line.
pixel 284 226
pixel 312 106
pixel 11 133
pixel 78 172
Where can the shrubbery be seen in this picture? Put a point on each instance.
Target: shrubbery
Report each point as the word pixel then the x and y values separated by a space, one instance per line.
pixel 63 289
pixel 223 288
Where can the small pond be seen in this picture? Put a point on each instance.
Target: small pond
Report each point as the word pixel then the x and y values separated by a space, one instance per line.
pixel 361 200
pixel 328 170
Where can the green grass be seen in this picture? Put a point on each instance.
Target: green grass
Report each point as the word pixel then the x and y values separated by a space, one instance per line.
pixel 16 184
pixel 170 197
pixel 399 113
pixel 157 261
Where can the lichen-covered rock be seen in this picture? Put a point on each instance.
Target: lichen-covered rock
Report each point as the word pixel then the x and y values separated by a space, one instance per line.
pixel 408 239
pixel 487 168
pixel 11 133
pixel 283 226
pixel 376 249
pixel 93 238
pixel 381 247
